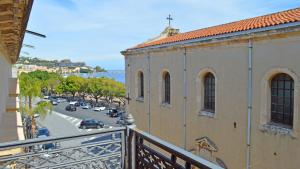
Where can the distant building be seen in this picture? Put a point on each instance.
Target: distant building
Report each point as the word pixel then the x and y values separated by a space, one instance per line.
pixel 31 68
pixel 12 13
pixel 68 63
pixel 229 93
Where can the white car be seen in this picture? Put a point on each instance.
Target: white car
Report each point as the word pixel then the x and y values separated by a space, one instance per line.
pixel 86 106
pixel 73 103
pixel 54 102
pixel 99 108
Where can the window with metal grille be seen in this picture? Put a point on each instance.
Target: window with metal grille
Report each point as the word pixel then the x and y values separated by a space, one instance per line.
pixel 282 99
pixel 209 92
pixel 141 78
pixel 167 87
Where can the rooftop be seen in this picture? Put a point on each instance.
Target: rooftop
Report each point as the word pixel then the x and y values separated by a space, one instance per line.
pixel 14 17
pixel 283 17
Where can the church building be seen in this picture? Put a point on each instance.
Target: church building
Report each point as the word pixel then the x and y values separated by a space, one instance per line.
pixel 229 93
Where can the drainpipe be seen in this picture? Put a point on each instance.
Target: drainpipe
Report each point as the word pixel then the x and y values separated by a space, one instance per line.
pixel 149 89
pixel 127 80
pixel 184 99
pixel 250 91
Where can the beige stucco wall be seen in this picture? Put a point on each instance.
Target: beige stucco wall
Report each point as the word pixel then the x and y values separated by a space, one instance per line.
pixel 10 119
pixel 231 101
pixel 229 62
pixel 270 150
pixel 4 76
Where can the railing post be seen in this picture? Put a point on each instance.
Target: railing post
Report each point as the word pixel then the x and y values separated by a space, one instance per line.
pixel 188 165
pixel 173 158
pixel 131 148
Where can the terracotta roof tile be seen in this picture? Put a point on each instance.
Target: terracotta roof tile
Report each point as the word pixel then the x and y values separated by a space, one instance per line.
pixel 292 15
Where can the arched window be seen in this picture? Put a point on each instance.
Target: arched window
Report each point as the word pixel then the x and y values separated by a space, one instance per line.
pixel 167 88
pixel 282 99
pixel 209 92
pixel 141 84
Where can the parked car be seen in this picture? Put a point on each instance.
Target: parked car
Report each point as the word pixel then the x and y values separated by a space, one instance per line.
pixel 43 131
pixel 60 100
pixel 71 108
pixel 86 106
pixel 81 103
pixel 52 97
pixel 100 108
pixel 72 103
pixel 46 97
pixel 113 112
pixel 77 104
pixel 54 102
pixel 47 146
pixel 91 123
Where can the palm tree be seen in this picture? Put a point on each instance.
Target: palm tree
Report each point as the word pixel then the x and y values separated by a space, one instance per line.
pixel 30 88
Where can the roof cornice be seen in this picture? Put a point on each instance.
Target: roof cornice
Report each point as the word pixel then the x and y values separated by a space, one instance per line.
pixel 222 37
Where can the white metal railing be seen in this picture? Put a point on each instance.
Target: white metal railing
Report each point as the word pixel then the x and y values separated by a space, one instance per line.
pixel 119 147
pixel 103 149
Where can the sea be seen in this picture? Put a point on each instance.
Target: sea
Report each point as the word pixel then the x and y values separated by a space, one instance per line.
pixel 118 75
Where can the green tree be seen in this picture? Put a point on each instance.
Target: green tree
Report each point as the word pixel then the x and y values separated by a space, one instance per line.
pixel 42 77
pixel 99 69
pixel 83 87
pixel 53 81
pixel 112 90
pixel 70 85
pixel 30 88
pixel 49 81
pixel 95 88
pixel 120 93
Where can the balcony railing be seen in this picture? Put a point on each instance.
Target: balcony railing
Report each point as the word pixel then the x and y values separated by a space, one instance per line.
pixel 120 147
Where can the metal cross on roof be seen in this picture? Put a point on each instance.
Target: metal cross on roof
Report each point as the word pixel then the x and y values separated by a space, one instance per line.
pixel 169 18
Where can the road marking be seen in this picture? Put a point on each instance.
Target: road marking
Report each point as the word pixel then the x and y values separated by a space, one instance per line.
pixel 92 138
pixel 74 120
pixel 61 115
pixel 68 118
pixel 78 123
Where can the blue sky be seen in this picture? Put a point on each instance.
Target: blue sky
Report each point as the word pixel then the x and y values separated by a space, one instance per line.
pixel 95 31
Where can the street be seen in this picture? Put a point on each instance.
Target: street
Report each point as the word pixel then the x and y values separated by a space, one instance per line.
pixel 86 114
pixel 63 123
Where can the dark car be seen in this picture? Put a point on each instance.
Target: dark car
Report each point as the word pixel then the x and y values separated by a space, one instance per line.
pixel 113 112
pixel 81 103
pixel 71 108
pixel 42 132
pixel 77 104
pixel 47 146
pixel 91 123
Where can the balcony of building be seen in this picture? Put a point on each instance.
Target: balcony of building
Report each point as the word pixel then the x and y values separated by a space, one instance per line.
pixel 119 147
